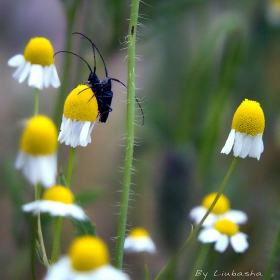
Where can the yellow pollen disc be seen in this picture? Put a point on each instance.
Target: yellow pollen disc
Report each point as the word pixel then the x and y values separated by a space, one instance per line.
pixel 226 227
pixel 222 205
pixel 39 50
pixel 88 253
pixel 275 1
pixel 138 232
pixel 39 137
pixel 81 104
pixel 249 118
pixel 60 194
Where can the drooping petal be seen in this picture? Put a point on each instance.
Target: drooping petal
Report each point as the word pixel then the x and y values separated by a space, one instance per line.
pixel 229 143
pixel 238 143
pixel 257 147
pixel 236 216
pixel 222 243
pixel 239 242
pixel 16 60
pixel 36 76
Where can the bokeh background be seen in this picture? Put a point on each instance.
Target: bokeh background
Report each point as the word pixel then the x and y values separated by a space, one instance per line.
pixel 196 61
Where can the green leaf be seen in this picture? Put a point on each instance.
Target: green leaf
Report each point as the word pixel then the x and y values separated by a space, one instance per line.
pixel 88 196
pixel 85 227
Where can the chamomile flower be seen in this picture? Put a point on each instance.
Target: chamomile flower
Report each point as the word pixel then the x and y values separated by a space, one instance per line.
pixel 273 12
pixel 87 259
pixel 57 201
pixel 37 62
pixel 246 131
pixel 220 210
pixel 223 232
pixel 37 155
pixel 138 240
pixel 79 115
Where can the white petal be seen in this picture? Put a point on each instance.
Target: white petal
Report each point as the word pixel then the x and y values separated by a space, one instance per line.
pixel 236 216
pixel 84 134
pixel 246 146
pixel 139 244
pixel 257 147
pixel 239 242
pixel 36 76
pixel 61 270
pixel 25 71
pixel 55 82
pixel 198 213
pixel 222 243
pixel 108 272
pixel 208 235
pixel 16 60
pixel 47 76
pixel 229 143
pixel 238 143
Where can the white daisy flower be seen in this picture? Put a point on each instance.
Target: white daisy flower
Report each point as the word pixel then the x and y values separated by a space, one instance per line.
pixel 138 240
pixel 37 155
pixel 88 259
pixel 79 115
pixel 37 62
pixel 57 201
pixel 220 210
pixel 273 12
pixel 246 131
pixel 223 232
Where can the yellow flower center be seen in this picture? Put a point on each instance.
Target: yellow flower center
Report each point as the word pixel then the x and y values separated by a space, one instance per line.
pixel 60 194
pixel 81 104
pixel 39 137
pixel 39 50
pixel 88 253
pixel 226 227
pixel 222 205
pixel 275 1
pixel 138 232
pixel 249 118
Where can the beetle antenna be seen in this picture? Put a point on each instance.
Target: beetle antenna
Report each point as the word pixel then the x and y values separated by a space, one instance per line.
pixel 143 117
pixel 78 57
pixel 94 46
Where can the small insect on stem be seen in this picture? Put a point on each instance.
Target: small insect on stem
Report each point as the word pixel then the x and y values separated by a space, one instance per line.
pixel 132 30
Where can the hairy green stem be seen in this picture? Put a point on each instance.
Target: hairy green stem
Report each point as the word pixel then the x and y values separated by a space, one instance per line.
pixel 268 275
pixel 194 231
pixel 131 42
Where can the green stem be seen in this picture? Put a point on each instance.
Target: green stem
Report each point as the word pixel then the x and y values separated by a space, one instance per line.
pixel 56 242
pixel 36 101
pixel 70 167
pixel 194 231
pixel 40 234
pixel 131 42
pixel 200 259
pixel 33 247
pixel 268 271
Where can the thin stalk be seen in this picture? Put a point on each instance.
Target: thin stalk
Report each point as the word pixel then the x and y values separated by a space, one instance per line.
pixel 56 242
pixel 272 258
pixel 36 101
pixel 131 42
pixel 40 234
pixel 70 167
pixel 194 231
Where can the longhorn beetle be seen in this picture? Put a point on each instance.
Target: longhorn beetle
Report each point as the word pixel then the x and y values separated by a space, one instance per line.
pixel 101 89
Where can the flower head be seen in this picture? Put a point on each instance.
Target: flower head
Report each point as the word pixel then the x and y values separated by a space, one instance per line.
pixel 273 12
pixel 79 115
pixel 220 210
pixel 87 259
pixel 138 240
pixel 57 201
pixel 37 155
pixel 223 232
pixel 37 62
pixel 246 131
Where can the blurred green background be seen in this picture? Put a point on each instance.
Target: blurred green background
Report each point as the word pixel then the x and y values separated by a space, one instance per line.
pixel 197 61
